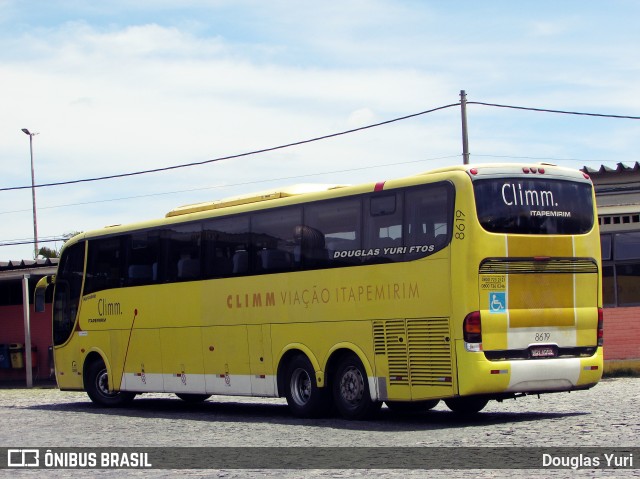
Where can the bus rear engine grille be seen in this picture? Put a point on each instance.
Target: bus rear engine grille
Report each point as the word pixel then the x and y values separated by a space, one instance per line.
pixel 418 351
pixel 538 265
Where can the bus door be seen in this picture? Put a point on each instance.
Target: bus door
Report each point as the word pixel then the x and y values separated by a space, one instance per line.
pixel 226 360
pixel 260 360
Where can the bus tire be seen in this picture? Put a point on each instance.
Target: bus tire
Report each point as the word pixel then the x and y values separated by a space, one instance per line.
pixel 466 405
pixel 193 398
pixel 304 397
pixel 96 384
pixel 351 393
pixel 412 407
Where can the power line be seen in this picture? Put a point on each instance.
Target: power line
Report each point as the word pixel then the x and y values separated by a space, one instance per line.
pixel 23 241
pixel 240 155
pixel 232 185
pixel 165 193
pixel 546 110
pixel 47 238
pixel 17 243
pixel 324 137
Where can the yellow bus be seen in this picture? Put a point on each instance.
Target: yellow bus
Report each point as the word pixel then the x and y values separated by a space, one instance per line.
pixel 464 284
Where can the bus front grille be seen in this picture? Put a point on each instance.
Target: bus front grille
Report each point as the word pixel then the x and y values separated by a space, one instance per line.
pixel 418 351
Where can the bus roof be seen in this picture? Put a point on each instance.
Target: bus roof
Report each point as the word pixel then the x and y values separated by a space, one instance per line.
pixel 474 171
pixel 487 169
pixel 256 197
pixel 496 170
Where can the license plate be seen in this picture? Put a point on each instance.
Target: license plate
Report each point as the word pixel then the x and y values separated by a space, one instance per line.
pixel 542 352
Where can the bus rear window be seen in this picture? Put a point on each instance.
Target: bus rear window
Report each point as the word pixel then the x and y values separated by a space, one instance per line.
pixel 534 206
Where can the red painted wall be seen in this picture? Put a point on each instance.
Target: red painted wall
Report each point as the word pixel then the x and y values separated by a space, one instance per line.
pixel 622 333
pixel 12 331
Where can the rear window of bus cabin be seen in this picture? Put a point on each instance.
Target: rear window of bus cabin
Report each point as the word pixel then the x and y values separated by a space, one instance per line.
pixel 534 206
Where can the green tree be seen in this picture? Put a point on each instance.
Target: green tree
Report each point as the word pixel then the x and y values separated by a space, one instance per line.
pixel 46 252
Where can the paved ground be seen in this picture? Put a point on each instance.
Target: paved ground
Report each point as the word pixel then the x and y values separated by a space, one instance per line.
pixel 606 416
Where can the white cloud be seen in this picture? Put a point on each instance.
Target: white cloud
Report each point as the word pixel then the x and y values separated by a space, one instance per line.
pixel 547 28
pixel 361 117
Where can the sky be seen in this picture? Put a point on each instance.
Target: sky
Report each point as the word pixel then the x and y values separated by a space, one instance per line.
pixel 116 87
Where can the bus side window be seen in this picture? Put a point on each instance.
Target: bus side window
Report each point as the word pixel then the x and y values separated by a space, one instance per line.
pixel 310 251
pixel 383 227
pixel 340 222
pixel 188 268
pixel 143 255
pixel 225 246
pixel 183 256
pixel 273 239
pixel 105 264
pixel 429 217
pixel 240 262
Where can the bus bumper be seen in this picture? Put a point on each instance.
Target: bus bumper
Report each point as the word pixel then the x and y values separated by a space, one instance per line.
pixel 532 376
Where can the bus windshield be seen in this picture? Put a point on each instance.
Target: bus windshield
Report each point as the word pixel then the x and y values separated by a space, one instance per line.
pixel 534 206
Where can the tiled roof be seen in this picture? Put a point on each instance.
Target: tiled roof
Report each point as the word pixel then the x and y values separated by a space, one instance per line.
pixel 620 168
pixel 28 264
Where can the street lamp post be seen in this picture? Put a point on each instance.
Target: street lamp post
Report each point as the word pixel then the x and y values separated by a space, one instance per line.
pixel 33 193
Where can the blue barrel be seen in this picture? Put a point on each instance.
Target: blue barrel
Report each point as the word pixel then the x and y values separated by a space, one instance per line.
pixel 5 359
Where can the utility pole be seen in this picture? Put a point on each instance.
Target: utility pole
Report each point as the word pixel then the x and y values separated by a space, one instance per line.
pixel 465 136
pixel 33 194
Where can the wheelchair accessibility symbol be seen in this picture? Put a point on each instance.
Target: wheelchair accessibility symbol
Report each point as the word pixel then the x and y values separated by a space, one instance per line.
pixel 497 302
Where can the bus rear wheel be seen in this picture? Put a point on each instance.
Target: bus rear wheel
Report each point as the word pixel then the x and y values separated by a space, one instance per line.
pixel 351 390
pixel 304 397
pixel 466 405
pixel 96 383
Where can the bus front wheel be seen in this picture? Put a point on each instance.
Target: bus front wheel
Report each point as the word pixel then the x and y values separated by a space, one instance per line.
pixel 96 383
pixel 351 390
pixel 466 405
pixel 304 397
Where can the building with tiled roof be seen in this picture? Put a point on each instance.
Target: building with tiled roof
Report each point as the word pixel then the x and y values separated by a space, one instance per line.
pixel 618 201
pixel 21 328
pixel 617 196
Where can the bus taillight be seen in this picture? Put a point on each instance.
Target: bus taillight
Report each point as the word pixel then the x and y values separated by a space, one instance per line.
pixel 600 326
pixel 472 331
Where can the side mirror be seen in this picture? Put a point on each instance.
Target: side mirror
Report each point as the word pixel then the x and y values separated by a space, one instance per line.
pixel 40 293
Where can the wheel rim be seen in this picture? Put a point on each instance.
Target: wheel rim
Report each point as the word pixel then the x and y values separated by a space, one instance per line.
pixel 300 386
pixel 352 386
pixel 102 384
